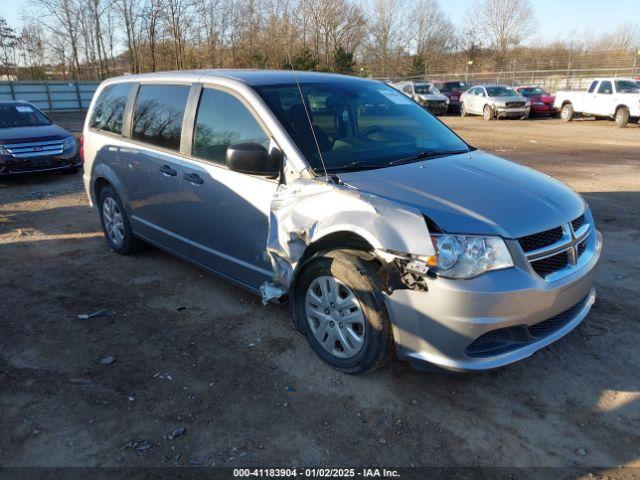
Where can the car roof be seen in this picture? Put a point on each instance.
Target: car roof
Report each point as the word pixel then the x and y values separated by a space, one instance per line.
pixel 7 103
pixel 253 78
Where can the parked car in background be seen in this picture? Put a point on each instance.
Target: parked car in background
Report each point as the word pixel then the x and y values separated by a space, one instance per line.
pixel 382 227
pixel 541 100
pixel 31 142
pixel 494 101
pixel 617 98
pixel 453 89
pixel 425 94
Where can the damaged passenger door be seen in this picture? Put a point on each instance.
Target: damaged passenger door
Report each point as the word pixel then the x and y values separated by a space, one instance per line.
pixel 227 212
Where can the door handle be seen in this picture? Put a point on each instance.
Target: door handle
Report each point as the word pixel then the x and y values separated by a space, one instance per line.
pixel 193 178
pixel 167 171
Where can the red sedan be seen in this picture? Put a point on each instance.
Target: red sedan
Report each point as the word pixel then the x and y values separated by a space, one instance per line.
pixel 541 101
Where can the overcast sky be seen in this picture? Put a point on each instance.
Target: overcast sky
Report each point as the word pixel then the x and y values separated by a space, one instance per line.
pixel 556 18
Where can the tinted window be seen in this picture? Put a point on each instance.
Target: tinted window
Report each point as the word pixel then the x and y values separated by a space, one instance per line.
pixel 223 120
pixel 21 115
pixel 605 87
pixel 357 124
pixel 157 118
pixel 530 91
pixel 108 110
pixel 626 86
pixel 592 87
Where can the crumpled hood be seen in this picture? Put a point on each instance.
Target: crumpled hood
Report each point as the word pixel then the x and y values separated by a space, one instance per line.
pixel 32 134
pixel 431 96
pixel 475 193
pixel 508 98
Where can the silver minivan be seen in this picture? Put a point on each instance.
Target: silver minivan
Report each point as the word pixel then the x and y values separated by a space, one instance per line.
pixel 381 228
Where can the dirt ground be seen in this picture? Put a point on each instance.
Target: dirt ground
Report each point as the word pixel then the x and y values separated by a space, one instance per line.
pixel 192 351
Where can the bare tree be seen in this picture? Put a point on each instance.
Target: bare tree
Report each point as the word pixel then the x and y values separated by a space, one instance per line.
pixel 387 35
pixel 501 25
pixel 432 32
pixel 8 44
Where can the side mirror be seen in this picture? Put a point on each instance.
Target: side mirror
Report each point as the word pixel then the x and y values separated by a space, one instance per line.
pixel 253 158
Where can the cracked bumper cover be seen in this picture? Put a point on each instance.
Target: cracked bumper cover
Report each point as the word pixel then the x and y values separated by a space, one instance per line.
pixel 437 326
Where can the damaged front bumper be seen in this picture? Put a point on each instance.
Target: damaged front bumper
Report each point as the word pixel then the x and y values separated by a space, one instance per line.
pixel 489 321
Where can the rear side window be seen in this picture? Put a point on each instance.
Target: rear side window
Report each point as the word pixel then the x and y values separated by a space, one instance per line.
pixel 157 117
pixel 223 120
pixel 108 111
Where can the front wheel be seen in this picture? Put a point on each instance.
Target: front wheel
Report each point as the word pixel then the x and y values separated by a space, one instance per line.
pixel 566 114
pixel 487 113
pixel 463 111
pixel 338 305
pixel 622 117
pixel 115 223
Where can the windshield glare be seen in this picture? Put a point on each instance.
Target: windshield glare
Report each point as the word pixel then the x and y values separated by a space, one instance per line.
pixel 626 86
pixel 12 116
pixel 425 89
pixel 527 92
pixel 451 86
pixel 500 91
pixel 357 124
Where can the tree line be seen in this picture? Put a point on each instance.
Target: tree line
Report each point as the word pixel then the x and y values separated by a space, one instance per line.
pixel 95 39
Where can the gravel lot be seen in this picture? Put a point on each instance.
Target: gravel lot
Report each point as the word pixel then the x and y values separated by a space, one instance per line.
pixel 192 351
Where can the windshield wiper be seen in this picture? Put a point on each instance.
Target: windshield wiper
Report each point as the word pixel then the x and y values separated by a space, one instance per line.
pixel 424 155
pixel 358 165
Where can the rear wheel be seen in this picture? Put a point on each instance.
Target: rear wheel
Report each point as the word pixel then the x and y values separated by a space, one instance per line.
pixel 338 305
pixel 566 113
pixel 115 223
pixel 622 117
pixel 487 113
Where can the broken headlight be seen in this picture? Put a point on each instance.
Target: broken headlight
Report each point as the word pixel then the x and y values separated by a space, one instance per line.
pixel 467 256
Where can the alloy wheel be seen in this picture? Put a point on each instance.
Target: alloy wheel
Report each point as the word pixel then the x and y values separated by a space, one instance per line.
pixel 113 221
pixel 335 316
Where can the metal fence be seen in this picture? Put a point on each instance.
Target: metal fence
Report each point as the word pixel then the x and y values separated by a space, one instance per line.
pixel 551 80
pixel 50 95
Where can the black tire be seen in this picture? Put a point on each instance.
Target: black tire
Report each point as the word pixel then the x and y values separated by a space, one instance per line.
pixel 130 244
pixel 566 112
pixel 463 112
pixel 487 113
pixel 358 271
pixel 622 117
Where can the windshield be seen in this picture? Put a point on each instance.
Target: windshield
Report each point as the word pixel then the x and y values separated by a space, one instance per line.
pixel 358 124
pixel 12 116
pixel 425 88
pixel 530 91
pixel 626 86
pixel 452 86
pixel 500 92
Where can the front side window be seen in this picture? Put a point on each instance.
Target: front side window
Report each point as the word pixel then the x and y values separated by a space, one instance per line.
pixel 357 124
pixel 223 120
pixel 21 115
pixel 108 111
pixel 157 117
pixel 593 85
pixel 605 88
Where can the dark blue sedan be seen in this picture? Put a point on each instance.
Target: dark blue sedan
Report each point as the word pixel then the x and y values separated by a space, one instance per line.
pixel 31 142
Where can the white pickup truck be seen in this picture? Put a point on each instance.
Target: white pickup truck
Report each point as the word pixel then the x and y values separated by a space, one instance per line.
pixel 617 98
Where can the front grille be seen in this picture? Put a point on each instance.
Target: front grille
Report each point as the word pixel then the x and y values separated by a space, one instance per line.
pixel 582 246
pixel 436 103
pixel 540 240
pixel 578 222
pixel 31 165
pixel 503 340
pixel 551 264
pixel 515 104
pixel 547 327
pixel 35 149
